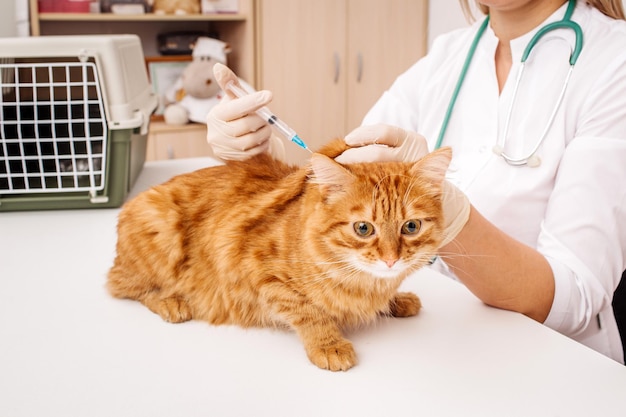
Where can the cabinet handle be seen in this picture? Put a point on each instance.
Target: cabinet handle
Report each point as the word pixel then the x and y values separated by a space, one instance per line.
pixel 359 67
pixel 170 152
pixel 337 67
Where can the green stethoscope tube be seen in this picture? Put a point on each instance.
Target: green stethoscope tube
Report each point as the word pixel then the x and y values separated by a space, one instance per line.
pixel 459 83
pixel 565 23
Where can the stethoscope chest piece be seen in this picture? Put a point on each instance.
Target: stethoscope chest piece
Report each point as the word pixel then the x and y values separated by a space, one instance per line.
pixel 532 161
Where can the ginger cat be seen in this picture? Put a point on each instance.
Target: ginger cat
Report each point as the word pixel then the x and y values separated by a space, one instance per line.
pixel 316 249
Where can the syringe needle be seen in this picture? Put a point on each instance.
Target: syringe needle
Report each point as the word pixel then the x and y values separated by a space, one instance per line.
pixel 265 113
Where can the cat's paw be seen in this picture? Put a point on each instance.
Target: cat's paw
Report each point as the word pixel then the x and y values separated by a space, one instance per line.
pixel 405 304
pixel 339 356
pixel 173 309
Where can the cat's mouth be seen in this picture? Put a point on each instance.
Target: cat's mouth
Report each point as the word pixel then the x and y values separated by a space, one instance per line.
pixel 380 269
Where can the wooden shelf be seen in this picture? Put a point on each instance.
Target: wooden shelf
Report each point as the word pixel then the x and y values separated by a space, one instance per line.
pixel 159 126
pixel 148 17
pixel 237 29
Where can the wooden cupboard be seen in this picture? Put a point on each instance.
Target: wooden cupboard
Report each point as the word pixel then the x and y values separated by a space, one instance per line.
pixel 328 61
pixel 174 142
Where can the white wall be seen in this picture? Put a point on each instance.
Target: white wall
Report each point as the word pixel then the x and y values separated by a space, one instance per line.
pixel 445 15
pixel 7 18
pixel 22 18
pixel 14 18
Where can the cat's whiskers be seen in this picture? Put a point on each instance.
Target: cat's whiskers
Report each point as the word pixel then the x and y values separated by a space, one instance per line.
pixel 341 271
pixel 375 192
pixel 344 271
pixel 341 274
pixel 331 269
pixel 330 282
pixel 451 255
pixel 376 189
pixel 428 195
pixel 431 193
pixel 405 197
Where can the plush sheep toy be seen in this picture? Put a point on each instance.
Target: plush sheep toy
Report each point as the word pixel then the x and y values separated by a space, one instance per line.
pixel 196 91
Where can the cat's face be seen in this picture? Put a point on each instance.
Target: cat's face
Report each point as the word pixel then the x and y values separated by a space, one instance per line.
pixel 390 236
pixel 384 220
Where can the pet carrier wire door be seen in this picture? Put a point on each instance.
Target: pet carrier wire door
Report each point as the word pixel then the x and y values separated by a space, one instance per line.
pixel 65 140
pixel 54 131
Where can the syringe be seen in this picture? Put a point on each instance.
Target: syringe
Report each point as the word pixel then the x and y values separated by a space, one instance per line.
pixel 267 115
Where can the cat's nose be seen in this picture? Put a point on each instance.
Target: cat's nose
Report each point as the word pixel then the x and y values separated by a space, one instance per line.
pixel 391 262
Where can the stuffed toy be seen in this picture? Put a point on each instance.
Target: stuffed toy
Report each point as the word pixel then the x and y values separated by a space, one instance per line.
pixel 176 6
pixel 195 93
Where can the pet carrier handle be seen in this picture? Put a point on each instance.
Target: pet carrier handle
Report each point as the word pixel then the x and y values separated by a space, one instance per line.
pixel 140 119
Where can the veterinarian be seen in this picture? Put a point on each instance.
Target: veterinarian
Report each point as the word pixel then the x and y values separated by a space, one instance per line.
pixel 535 199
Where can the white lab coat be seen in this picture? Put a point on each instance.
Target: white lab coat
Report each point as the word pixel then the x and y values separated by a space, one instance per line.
pixel 572 208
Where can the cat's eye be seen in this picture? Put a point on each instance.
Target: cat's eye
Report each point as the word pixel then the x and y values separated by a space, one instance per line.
pixel 411 227
pixel 364 229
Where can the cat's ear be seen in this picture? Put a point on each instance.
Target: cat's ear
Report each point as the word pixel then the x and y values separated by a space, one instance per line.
pixel 433 166
pixel 328 173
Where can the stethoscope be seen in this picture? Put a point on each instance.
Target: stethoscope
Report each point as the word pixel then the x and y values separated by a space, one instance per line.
pixel 531 160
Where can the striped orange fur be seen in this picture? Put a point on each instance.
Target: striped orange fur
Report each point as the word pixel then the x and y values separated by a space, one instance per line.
pixel 317 249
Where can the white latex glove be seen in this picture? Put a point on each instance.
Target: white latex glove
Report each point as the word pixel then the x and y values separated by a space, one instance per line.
pixel 381 142
pixel 234 130
pixel 456 211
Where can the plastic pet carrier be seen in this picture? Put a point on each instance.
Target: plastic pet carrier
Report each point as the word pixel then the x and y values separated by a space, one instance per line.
pixel 74 118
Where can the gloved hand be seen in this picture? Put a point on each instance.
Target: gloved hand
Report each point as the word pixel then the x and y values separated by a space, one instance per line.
pixel 456 211
pixel 381 142
pixel 234 130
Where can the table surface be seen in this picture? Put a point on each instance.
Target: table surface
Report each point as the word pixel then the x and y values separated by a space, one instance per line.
pixel 69 349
